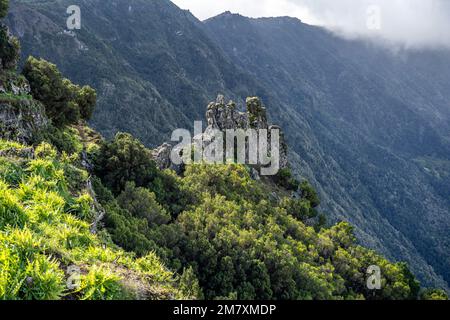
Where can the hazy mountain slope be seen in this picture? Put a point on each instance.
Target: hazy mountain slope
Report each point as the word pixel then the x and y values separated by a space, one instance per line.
pixel 145 56
pixel 155 67
pixel 381 118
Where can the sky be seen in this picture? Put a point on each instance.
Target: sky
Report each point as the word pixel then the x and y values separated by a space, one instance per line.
pixel 409 23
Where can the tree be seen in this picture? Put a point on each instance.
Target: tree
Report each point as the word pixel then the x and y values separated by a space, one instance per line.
pixel 189 284
pixel 309 194
pixel 9 49
pixel 4 6
pixel 141 203
pixel 433 294
pixel 64 102
pixel 86 98
pixel 123 160
pixel 285 179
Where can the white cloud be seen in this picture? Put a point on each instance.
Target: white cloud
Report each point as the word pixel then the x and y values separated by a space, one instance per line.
pixel 412 23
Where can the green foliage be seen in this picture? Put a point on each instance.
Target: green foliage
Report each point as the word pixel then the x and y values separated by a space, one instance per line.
pixel 100 284
pixel 141 203
pixel 86 98
pixel 125 159
pixel 233 181
pixel 285 179
pixel 244 245
pixel 4 5
pixel 44 280
pixel 6 144
pixel 45 227
pixel 189 284
pixel 122 160
pixel 299 208
pixel 9 47
pixel 433 294
pixel 11 211
pixel 309 194
pixel 64 102
pixel 64 139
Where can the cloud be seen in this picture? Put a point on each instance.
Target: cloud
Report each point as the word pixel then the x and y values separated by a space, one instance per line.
pixel 410 23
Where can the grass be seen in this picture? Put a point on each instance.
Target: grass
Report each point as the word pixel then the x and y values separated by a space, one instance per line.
pixel 5 145
pixel 10 97
pixel 45 228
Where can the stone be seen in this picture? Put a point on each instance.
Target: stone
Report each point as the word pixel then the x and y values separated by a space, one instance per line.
pixel 21 120
pixel 221 116
pixel 161 156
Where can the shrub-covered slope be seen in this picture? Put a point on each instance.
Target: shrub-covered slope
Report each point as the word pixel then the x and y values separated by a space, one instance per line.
pixel 51 246
pixel 86 218
pixel 46 216
pixel 367 127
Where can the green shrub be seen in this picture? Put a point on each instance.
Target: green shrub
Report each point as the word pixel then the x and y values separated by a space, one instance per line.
pixel 11 172
pixel 4 5
pixel 309 194
pixel 44 280
pixel 83 207
pixel 65 103
pixel 11 211
pixel 189 284
pixel 63 139
pixel 141 203
pixel 100 284
pixel 122 160
pixel 285 179
pixel 9 48
pixel 433 294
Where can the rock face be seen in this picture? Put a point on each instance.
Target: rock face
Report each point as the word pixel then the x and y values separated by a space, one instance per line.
pixel 161 156
pixel 20 120
pixel 27 153
pixel 20 116
pixel 224 116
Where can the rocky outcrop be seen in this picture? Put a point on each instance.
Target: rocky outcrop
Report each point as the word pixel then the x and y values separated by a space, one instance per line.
pixel 161 156
pixel 21 119
pixel 225 116
pixel 25 153
pixel 20 115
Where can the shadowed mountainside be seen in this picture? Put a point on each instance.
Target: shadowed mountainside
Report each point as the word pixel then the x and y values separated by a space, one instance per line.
pixel 369 128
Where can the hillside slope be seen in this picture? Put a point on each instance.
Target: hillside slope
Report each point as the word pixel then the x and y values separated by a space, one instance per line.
pixel 381 120
pixel 51 245
pixel 143 55
pixel 375 144
pixel 69 199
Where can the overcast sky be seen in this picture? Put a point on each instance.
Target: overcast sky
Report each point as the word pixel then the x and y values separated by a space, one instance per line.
pixel 411 23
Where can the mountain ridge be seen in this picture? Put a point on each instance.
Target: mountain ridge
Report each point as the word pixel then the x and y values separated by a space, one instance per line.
pixel 297 101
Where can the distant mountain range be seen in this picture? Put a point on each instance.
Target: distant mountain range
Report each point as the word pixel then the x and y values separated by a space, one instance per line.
pixel 369 127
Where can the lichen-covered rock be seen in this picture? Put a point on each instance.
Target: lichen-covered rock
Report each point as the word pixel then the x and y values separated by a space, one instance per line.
pixel 13 84
pixel 283 150
pixel 26 153
pixel 21 119
pixel 221 116
pixel 225 116
pixel 257 113
pixel 161 156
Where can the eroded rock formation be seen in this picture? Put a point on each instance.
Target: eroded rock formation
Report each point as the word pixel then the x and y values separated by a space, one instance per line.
pixel 225 116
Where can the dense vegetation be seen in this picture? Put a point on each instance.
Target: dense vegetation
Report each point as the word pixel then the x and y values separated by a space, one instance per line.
pixel 70 200
pixel 368 129
pixel 46 212
pixel 240 242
